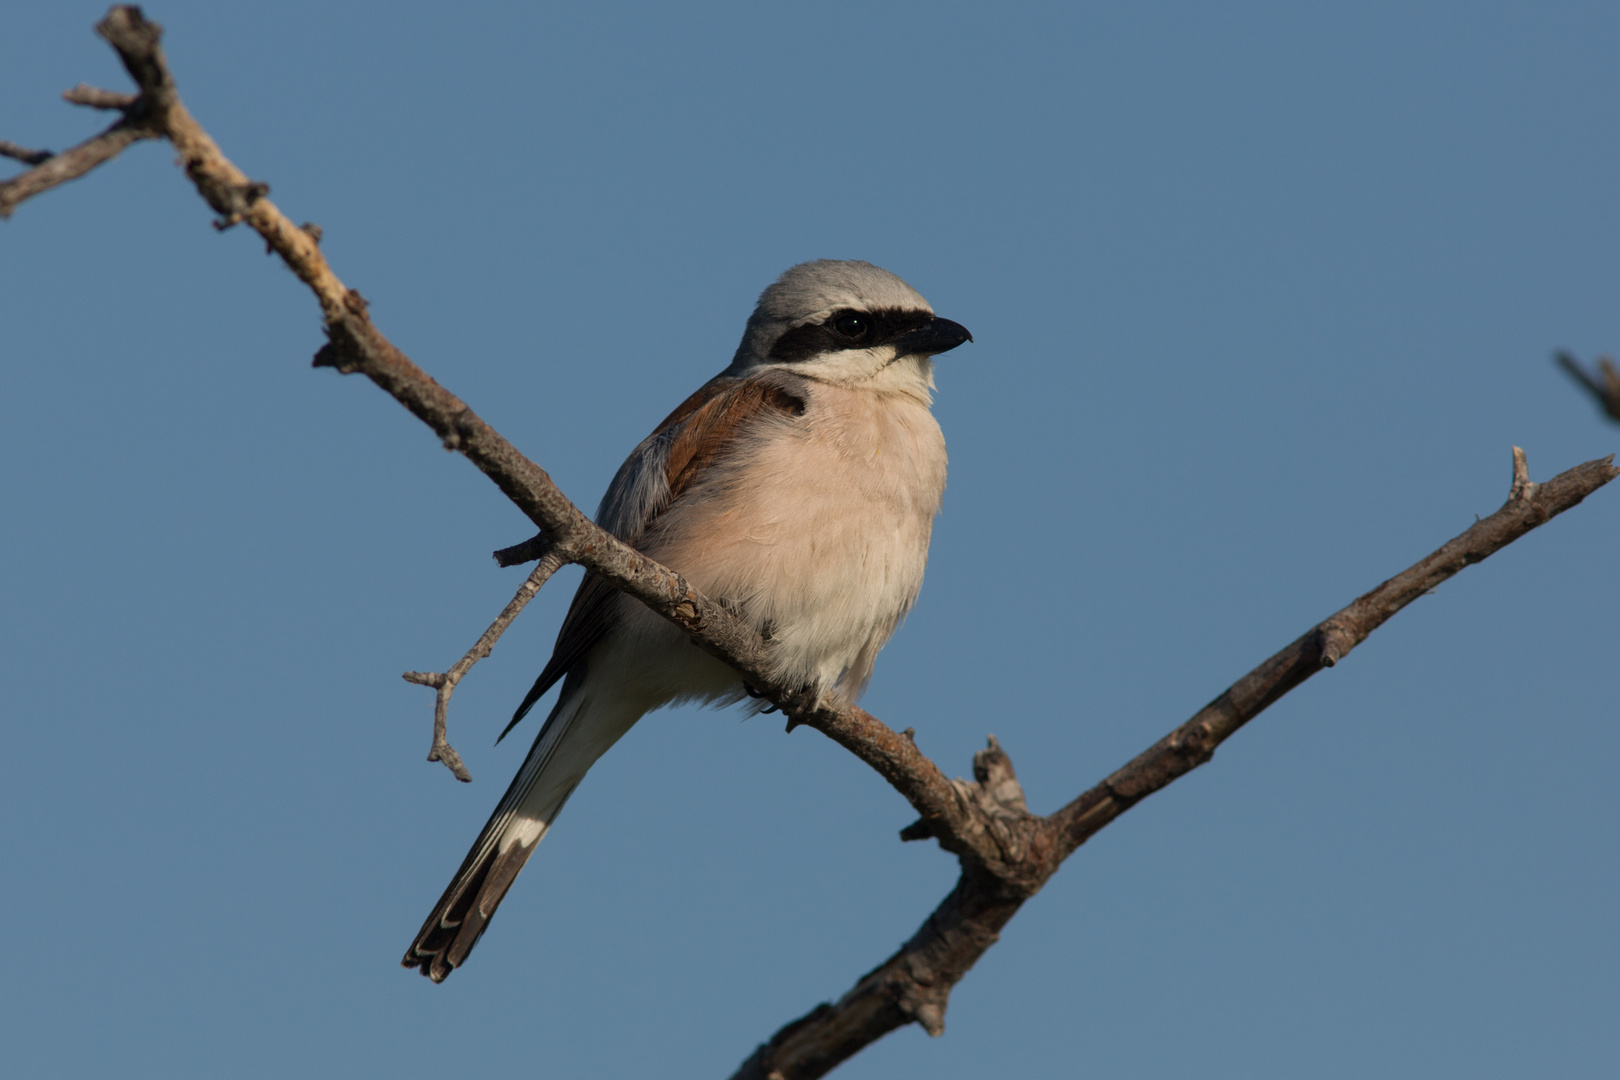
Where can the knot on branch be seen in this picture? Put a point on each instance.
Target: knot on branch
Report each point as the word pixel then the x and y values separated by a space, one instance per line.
pixel 1194 741
pixel 94 97
pixel 685 605
pixel 919 979
pixel 1178 753
pixel 998 791
pixel 528 551
pixel 232 201
pixel 345 349
pixel 454 432
pixel 1523 489
pixel 1333 642
pixel 997 831
pixel 925 1003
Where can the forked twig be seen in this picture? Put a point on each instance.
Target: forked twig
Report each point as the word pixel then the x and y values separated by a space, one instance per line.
pixel 444 683
pixel 51 170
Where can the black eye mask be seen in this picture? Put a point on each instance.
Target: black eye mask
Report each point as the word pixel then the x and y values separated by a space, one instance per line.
pixel 848 328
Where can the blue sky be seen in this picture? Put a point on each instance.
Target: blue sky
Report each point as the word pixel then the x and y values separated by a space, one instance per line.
pixel 1262 296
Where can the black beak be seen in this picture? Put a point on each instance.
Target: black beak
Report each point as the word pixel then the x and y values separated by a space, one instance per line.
pixel 932 338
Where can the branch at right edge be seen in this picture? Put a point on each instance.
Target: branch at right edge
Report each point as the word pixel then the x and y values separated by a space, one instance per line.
pixel 1603 383
pixel 914 984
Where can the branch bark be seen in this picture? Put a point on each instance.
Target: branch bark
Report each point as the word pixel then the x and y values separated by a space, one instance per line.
pixel 1006 853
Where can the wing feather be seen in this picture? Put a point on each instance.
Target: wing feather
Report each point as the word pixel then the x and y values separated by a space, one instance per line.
pixel 667 463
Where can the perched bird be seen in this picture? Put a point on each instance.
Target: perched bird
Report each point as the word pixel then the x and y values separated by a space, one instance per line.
pixel 799 486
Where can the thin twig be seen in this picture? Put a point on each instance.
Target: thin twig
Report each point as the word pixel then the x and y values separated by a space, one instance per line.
pixel 1604 385
pixel 23 154
pixel 70 164
pixel 444 683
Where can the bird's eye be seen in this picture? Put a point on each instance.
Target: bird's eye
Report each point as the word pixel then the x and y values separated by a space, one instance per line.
pixel 852 325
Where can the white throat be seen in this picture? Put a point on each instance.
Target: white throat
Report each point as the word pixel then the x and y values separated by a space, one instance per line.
pixel 877 369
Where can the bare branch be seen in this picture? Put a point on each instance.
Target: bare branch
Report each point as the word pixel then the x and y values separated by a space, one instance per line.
pixel 915 983
pixel 1324 645
pixel 444 683
pixel 23 154
pixel 1604 385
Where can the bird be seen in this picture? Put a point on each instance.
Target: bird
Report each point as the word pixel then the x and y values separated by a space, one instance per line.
pixel 798 487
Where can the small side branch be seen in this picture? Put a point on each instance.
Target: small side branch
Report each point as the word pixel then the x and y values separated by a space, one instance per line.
pixel 23 154
pixel 528 551
pixel 52 170
pixel 1603 383
pixel 94 97
pixel 444 683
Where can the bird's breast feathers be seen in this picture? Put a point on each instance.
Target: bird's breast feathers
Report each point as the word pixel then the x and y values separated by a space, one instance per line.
pixel 806 506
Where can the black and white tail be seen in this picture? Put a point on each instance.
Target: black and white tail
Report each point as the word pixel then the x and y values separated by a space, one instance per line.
pixel 565 748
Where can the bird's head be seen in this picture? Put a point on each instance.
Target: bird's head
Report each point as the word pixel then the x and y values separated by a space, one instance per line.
pixel 849 323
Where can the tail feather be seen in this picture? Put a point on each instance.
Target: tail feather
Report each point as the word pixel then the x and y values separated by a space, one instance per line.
pixel 588 718
pixel 463 912
pixel 517 826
